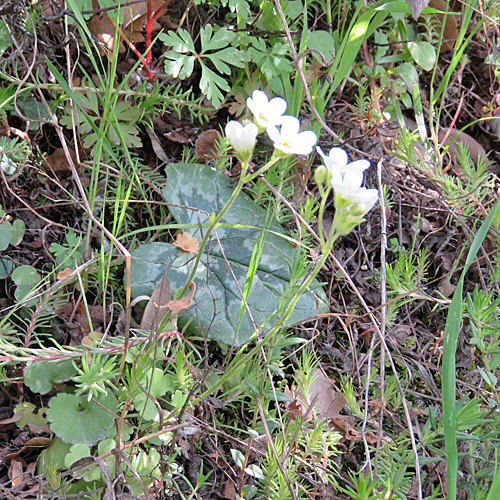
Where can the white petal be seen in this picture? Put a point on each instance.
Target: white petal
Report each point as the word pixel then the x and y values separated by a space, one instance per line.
pixel 352 181
pixel 320 152
pixel 290 126
pixel 278 106
pixel 242 138
pixel 338 156
pixel 371 199
pixel 359 165
pixel 305 143
pixel 274 134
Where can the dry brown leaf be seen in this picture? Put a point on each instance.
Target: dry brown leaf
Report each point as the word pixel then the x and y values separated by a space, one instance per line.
pixel 299 179
pixel 327 404
pixel 11 420
pixel 205 144
pixel 179 305
pixel 58 163
pixel 134 19
pixel 354 435
pixel 36 442
pixel 16 475
pixel 446 287
pixel 476 151
pixel 229 490
pixel 314 71
pixel 343 423
pixel 160 304
pixel 155 142
pixel 187 243
pixel 75 317
pixel 156 308
pixel 134 15
pixel 178 135
pixel 89 339
pixel 102 27
pixel 450 29
pixel 62 275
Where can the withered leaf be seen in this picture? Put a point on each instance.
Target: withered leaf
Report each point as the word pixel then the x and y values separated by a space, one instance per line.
pixel 160 304
pixel 205 144
pixel 187 243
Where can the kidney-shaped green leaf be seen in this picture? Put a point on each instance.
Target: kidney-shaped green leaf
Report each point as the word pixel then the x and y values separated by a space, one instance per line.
pixel 197 191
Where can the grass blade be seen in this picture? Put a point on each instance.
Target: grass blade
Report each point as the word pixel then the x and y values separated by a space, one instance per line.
pixel 450 340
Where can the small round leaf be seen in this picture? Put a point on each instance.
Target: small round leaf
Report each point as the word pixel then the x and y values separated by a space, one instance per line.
pixel 76 420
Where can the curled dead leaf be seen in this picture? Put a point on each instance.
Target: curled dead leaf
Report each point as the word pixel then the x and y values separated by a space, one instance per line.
pixel 205 144
pixel 179 305
pixel 160 305
pixel 327 403
pixel 58 163
pixel 63 275
pixel 187 243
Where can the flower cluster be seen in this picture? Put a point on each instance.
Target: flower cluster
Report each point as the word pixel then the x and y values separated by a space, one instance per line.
pixel 352 200
pixel 346 180
pixel 269 115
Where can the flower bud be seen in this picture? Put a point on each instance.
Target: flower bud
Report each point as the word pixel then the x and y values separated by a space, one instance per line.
pixel 242 139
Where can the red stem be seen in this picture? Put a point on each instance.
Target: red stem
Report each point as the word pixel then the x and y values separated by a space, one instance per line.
pixel 149 31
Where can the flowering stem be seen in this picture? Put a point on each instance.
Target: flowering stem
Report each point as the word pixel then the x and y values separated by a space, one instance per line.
pixel 324 197
pixel 241 361
pixel 267 166
pixel 215 220
pixel 213 223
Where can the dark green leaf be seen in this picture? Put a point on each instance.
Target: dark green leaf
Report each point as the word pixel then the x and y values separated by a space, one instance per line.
pixel 179 65
pixel 5 40
pixel 217 298
pixel 221 38
pixel 210 82
pixel 181 42
pixel 41 375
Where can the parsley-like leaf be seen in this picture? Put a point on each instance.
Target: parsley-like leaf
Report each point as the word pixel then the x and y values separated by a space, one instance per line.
pixel 216 47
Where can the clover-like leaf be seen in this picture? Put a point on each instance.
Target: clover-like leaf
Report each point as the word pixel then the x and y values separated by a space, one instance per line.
pixel 76 420
pixel 210 83
pixel 271 61
pixel 17 232
pixel 6 268
pixel 180 41
pixel 144 463
pixel 179 65
pixel 129 133
pixel 218 298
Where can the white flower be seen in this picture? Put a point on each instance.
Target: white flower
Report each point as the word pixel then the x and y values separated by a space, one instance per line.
pixel 290 139
pixel 337 160
pixel 242 138
pixel 348 190
pixel 267 112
